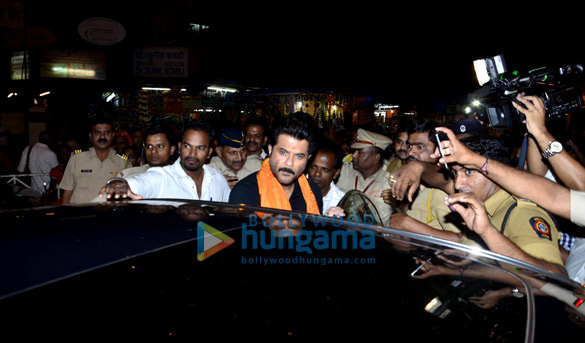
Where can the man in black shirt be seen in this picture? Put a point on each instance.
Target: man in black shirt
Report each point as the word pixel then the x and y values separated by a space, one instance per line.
pixel 281 183
pixel 247 193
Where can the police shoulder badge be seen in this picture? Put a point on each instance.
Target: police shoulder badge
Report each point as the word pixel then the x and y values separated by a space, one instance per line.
pixel 541 227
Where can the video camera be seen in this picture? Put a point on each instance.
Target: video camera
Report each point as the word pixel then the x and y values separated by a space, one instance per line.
pixel 558 88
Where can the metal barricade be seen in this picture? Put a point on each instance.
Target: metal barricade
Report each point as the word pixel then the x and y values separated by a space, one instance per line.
pixel 15 179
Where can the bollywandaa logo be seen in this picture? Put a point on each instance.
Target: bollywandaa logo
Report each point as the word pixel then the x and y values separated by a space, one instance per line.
pixel 286 232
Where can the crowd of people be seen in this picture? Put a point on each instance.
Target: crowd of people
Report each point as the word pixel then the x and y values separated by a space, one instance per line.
pixel 475 187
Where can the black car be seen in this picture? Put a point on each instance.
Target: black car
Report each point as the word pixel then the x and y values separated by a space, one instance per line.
pixel 176 270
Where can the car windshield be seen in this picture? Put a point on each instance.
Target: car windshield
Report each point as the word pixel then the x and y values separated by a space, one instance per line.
pixel 175 268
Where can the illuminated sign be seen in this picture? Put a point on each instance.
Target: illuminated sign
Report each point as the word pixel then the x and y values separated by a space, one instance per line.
pixel 73 64
pixel 101 31
pixel 18 71
pixel 161 62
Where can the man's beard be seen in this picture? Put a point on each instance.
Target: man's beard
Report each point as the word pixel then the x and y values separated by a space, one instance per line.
pixel 189 167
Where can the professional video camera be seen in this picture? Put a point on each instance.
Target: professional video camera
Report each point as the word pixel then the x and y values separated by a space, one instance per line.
pixel 558 88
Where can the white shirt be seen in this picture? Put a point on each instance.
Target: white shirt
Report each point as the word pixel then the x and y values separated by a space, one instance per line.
pixel 577 201
pixel 575 264
pixel 333 196
pixel 549 175
pixel 42 160
pixel 172 182
pixel 133 171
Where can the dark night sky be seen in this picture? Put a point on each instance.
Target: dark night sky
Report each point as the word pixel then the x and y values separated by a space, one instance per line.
pixel 404 53
pixel 407 54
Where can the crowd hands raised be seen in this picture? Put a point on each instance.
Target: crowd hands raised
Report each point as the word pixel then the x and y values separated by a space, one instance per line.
pixel 546 190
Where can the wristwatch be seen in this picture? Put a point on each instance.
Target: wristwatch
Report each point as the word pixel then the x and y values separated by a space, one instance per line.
pixel 554 148
pixel 516 292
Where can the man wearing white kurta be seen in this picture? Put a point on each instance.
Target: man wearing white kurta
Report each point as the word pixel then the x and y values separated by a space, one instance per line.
pixel 172 182
pixel 40 161
pixel 332 197
pixel 187 178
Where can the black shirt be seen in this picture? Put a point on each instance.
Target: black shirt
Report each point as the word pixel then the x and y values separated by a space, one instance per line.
pixel 246 192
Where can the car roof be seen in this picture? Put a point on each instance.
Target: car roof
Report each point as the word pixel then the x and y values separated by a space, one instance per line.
pixel 42 248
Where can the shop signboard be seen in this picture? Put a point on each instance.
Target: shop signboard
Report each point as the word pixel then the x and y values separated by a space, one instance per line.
pixel 101 31
pixel 161 62
pixel 18 70
pixel 73 64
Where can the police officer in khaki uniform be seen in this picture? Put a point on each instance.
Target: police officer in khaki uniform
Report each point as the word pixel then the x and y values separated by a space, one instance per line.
pixel 367 170
pixel 427 214
pixel 88 171
pixel 508 226
pixel 232 157
pixel 515 227
pixel 514 216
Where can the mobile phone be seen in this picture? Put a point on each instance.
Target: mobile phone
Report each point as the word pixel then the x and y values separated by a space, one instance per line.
pixel 439 139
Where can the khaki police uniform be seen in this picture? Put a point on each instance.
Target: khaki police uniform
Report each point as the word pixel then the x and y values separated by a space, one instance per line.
pixel 429 207
pixel 393 164
pixel 252 165
pixel 347 160
pixel 372 186
pixel 375 184
pixel 530 227
pixel 86 174
pixel 234 138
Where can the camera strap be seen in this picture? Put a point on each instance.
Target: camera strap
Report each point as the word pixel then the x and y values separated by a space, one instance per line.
pixel 522 158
